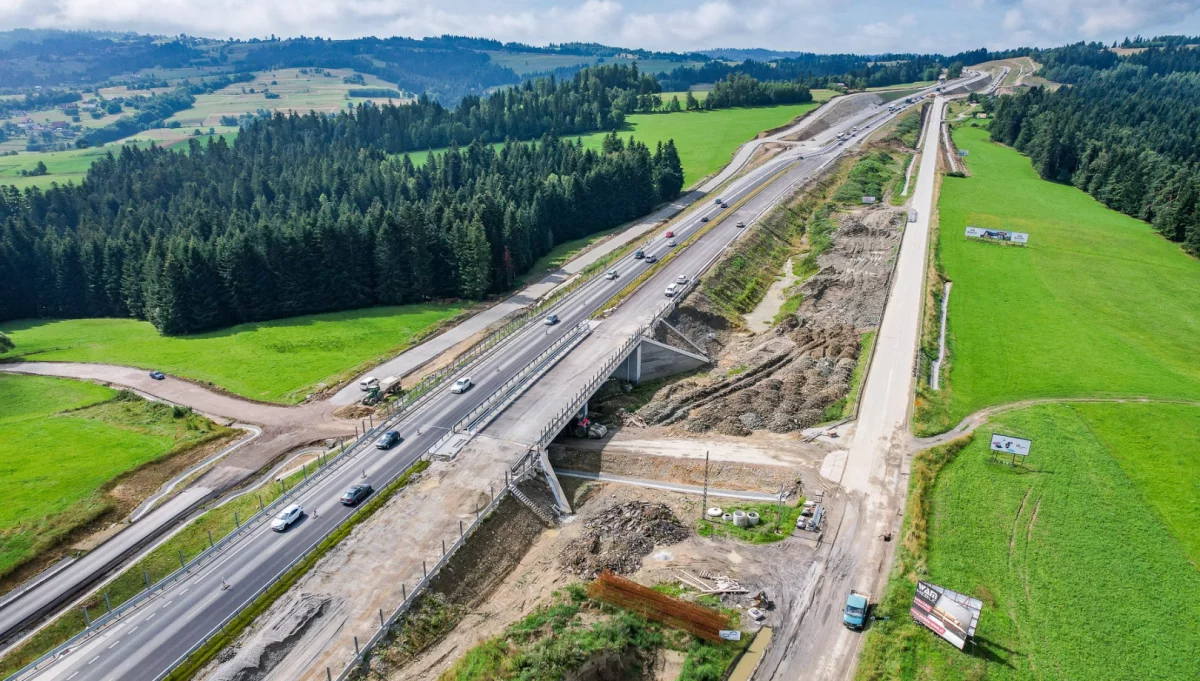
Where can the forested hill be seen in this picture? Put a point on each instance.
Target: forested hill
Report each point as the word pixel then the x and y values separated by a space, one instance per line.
pixel 1128 135
pixel 313 213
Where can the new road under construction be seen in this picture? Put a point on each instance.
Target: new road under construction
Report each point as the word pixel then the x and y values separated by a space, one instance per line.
pixel 470 493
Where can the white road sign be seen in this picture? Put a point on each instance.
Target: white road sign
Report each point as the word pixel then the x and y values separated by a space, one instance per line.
pixel 731 634
pixel 1010 445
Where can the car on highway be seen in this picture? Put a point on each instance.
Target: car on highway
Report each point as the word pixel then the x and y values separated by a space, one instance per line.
pixel 461 386
pixel 681 279
pixel 671 243
pixel 356 493
pixel 390 439
pixel 669 234
pixel 671 290
pixel 157 375
pixel 639 254
pixel 705 219
pixel 551 320
pixel 612 274
pixel 651 259
pixel 724 205
pixel 717 200
pixel 741 224
pixel 286 517
pixel 368 383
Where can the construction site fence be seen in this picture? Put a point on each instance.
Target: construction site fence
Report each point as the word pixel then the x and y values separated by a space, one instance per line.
pixel 428 573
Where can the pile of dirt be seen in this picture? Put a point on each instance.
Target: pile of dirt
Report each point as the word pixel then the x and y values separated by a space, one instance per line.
pixel 618 537
pixel 796 375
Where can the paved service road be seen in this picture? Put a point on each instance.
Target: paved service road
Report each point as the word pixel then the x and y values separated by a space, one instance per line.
pixel 149 641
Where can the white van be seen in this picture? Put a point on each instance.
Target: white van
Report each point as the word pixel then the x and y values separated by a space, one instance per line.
pixel 368 383
pixel 671 290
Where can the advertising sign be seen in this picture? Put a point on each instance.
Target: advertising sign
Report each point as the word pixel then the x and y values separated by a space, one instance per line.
pixel 868 199
pixel 1010 445
pixel 964 152
pixel 997 235
pixel 731 634
pixel 949 614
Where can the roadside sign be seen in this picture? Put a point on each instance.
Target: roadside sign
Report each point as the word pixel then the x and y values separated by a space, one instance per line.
pixel 964 152
pixel 1010 445
pixel 868 199
pixel 731 634
pixel 949 614
pixel 997 235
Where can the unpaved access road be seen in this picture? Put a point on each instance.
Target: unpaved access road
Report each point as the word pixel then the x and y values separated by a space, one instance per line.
pixel 813 643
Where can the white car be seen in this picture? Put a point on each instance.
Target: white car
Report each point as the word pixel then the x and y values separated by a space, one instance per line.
pixel 681 279
pixel 286 517
pixel 461 386
pixel 671 290
pixel 671 243
pixel 612 274
pixel 368 383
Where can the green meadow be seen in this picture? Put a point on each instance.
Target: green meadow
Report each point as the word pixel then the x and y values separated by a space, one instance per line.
pixel 1097 305
pixel 62 442
pixel 1084 556
pixel 276 361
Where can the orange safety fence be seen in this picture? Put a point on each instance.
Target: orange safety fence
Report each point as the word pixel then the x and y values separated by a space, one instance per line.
pixel 706 623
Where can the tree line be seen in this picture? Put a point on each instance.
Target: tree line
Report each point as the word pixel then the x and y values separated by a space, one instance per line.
pixel 289 221
pixel 1126 135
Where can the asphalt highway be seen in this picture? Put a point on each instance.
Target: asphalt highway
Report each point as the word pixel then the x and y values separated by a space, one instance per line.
pixel 150 640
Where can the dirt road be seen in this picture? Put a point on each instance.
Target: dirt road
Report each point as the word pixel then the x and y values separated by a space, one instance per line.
pixel 813 643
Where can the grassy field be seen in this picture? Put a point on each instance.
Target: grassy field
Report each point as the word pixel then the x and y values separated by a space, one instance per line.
pixel 298 92
pixel 1071 554
pixel 62 442
pixel 1098 304
pixel 706 140
pixel 276 361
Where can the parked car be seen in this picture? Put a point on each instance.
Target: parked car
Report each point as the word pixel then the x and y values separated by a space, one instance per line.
pixel 551 320
pixel 639 254
pixel 854 616
pixel 671 243
pixel 157 375
pixel 368 383
pixel 671 290
pixel 356 493
pixel 461 386
pixel 741 224
pixel 704 219
pixel 286 517
pixel 390 439
pixel 650 260
pixel 612 274
pixel 681 279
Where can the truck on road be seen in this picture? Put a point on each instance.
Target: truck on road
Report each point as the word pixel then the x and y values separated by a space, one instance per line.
pixel 855 614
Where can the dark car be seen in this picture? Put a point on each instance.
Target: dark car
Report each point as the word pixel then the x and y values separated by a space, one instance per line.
pixel 390 439
pixel 639 255
pixel 704 219
pixel 157 375
pixel 356 493
pixel 651 259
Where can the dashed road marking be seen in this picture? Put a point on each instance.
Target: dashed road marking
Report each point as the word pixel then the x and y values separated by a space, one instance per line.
pixel 93 659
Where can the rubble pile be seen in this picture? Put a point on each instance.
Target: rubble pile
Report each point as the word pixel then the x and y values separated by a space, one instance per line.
pixel 620 536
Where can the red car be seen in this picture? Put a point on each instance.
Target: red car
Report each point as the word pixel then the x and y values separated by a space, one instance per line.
pixel 669 234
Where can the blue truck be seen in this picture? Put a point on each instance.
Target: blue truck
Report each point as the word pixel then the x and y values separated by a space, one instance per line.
pixel 855 614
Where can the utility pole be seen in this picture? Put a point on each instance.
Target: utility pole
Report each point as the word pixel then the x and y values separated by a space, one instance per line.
pixel 704 506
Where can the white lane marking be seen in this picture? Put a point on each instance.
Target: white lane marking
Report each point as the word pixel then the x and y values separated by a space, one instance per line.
pixel 114 645
pixel 150 617
pixel 93 659
pixel 73 675
pixel 184 591
pixel 134 629
pixel 167 603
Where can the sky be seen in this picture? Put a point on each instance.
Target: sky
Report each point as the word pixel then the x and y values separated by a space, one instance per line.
pixel 862 26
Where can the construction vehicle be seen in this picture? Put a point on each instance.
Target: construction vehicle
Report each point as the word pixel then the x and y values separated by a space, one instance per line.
pixel 380 389
pixel 855 614
pixel 583 427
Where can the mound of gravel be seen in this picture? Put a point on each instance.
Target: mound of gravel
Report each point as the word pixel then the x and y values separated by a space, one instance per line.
pixel 620 536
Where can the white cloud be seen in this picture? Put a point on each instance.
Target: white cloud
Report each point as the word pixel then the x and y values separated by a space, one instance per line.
pixel 816 25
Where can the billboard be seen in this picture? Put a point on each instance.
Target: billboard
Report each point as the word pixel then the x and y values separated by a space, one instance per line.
pixel 868 199
pixel 949 614
pixel 997 235
pixel 1010 445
